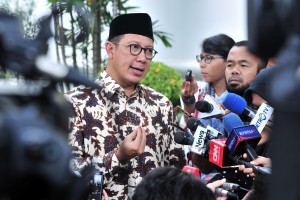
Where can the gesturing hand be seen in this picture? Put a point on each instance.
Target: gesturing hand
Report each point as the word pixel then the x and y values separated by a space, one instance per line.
pixel 133 144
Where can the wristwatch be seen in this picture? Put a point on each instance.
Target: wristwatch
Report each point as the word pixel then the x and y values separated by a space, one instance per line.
pixel 189 100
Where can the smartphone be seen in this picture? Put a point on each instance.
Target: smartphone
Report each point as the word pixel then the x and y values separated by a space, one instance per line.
pixel 96 186
pixel 188 75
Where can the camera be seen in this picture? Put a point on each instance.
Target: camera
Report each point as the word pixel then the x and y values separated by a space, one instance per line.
pixel 35 158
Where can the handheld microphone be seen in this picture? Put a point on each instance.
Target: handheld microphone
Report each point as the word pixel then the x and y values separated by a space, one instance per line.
pixel 211 177
pixel 233 186
pixel 213 133
pixel 242 138
pixel 219 154
pixel 192 170
pixel 260 169
pixel 204 106
pixel 198 141
pixel 262 116
pixel 209 108
pixel 199 145
pixel 237 105
pixel 192 123
pixel 224 193
pixel 183 138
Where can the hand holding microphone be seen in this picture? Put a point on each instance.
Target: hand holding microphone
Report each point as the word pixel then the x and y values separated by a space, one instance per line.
pixel 217 183
pixel 221 189
pixel 255 165
pixel 266 162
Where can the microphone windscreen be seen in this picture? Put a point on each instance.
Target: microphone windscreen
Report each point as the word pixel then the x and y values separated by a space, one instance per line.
pixel 183 138
pixel 203 106
pixel 234 103
pixel 192 123
pixel 179 137
pixel 232 121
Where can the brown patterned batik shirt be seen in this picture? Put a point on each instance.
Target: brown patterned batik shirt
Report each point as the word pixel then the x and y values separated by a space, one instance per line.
pixel 101 119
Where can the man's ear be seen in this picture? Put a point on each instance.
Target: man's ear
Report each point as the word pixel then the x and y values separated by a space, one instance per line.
pixel 109 49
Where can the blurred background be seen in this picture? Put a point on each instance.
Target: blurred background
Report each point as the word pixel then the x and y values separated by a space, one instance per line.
pixel 80 30
pixel 189 22
pixel 186 23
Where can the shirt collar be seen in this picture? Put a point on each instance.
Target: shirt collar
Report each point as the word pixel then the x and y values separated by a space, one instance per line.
pixel 111 87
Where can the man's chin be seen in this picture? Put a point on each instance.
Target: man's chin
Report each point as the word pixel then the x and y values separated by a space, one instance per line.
pixel 237 90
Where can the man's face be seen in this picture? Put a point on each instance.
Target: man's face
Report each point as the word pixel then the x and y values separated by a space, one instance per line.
pixel 257 101
pixel 125 68
pixel 241 68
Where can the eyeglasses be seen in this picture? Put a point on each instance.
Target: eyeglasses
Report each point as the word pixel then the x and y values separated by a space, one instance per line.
pixel 207 58
pixel 136 49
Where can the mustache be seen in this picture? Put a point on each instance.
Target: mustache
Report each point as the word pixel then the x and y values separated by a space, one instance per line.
pixel 235 78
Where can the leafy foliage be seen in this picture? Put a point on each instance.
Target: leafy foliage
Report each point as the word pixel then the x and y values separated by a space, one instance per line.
pixel 165 37
pixel 165 80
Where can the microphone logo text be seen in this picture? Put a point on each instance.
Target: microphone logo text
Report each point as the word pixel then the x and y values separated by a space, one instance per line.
pixel 262 117
pixel 216 153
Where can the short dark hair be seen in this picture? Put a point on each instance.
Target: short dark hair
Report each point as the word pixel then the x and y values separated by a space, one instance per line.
pixel 171 183
pixel 219 44
pixel 262 62
pixel 243 43
pixel 116 39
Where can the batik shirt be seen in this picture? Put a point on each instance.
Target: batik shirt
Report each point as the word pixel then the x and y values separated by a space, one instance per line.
pixel 101 119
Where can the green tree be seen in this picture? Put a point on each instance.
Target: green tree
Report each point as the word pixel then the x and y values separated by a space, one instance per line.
pixel 165 80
